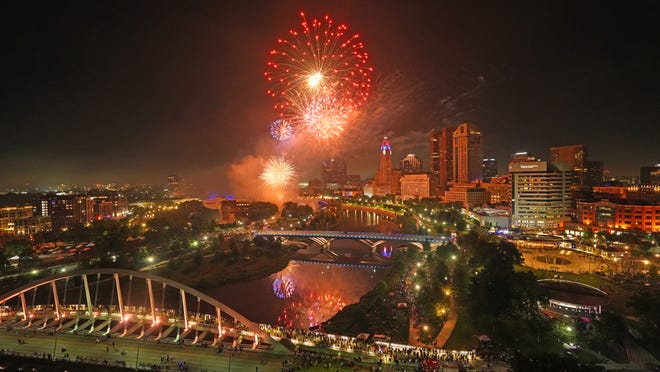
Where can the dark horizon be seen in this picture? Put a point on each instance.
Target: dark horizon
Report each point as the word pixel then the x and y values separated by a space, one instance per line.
pixel 131 92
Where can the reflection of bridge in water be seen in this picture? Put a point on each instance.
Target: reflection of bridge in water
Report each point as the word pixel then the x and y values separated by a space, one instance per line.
pixel 356 265
pixel 128 304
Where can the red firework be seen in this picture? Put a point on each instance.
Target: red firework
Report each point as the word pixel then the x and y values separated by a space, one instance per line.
pixel 318 59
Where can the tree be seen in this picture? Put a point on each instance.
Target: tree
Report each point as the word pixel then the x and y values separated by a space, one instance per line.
pixel 295 210
pixel 198 257
pixel 646 304
pixel 217 255
pixel 245 248
pixel 235 251
pixel 259 211
pixel 17 247
pixel 172 265
pixel 21 248
pixel 4 263
pixel 588 235
pixel 176 248
pixel 427 246
pixel 605 333
pixel 548 362
pixel 496 295
pixel 324 220
pixel 408 223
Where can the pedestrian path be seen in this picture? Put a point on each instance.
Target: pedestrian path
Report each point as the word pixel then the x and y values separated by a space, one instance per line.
pixel 449 326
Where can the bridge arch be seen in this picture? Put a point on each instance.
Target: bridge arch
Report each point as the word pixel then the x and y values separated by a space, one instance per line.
pixel 154 316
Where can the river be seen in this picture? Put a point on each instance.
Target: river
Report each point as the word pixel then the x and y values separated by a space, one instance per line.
pixel 302 295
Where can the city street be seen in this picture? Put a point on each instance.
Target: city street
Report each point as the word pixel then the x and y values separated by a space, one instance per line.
pixel 126 351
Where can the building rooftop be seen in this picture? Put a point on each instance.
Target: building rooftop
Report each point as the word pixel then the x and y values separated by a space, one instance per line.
pixel 574 292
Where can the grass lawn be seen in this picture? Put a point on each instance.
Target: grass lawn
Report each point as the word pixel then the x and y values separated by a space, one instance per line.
pixel 464 336
pixel 211 272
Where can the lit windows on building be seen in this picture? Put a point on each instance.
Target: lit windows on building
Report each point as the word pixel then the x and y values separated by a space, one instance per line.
pixel 622 215
pixel 415 186
pixel 541 195
pixel 468 154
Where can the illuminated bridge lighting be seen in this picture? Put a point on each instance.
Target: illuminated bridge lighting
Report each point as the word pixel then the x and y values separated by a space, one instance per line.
pixel 353 235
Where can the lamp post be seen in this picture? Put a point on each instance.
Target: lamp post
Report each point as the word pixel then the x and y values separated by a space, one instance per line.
pixel 55 345
pixel 137 356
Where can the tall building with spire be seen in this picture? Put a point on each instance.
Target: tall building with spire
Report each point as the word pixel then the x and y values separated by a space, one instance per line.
pixel 384 181
pixel 468 154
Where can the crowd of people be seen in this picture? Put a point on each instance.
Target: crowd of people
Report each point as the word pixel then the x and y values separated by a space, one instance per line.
pixel 363 350
pixel 311 349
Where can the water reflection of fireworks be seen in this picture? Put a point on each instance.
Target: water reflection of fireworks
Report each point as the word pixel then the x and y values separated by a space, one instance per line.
pixel 283 287
pixel 310 310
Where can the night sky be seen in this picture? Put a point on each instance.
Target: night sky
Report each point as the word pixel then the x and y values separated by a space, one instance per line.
pixel 131 91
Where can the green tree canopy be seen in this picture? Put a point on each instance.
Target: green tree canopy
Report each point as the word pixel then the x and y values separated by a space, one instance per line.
pixel 295 210
pixel 258 211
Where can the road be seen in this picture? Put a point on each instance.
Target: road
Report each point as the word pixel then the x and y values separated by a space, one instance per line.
pixel 128 351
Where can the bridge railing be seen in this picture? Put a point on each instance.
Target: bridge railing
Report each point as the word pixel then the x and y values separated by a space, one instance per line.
pixel 352 235
pixel 108 291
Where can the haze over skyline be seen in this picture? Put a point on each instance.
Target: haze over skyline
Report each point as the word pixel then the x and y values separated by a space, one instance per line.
pixel 134 91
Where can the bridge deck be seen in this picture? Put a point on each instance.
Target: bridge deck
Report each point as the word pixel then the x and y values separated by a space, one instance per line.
pixel 352 235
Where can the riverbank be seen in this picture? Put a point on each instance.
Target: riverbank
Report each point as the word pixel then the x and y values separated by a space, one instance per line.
pixel 216 270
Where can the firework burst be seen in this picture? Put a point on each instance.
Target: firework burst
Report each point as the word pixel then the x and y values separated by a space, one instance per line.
pixel 319 74
pixel 281 130
pixel 324 118
pixel 278 172
pixel 320 57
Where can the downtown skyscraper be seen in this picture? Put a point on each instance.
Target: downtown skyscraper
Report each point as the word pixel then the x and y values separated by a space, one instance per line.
pixel 441 164
pixel 575 156
pixel 468 154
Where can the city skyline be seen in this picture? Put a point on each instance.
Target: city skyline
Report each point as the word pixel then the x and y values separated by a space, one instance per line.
pixel 98 93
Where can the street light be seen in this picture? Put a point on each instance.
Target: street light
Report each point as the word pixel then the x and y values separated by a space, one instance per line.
pixel 55 345
pixel 137 356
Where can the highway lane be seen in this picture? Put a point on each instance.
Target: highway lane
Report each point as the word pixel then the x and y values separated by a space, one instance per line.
pixel 126 351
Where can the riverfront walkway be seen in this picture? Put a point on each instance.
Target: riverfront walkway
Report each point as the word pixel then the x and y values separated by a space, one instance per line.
pixel 450 324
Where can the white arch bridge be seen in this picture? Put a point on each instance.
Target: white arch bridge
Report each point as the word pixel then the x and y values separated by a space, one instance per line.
pixel 126 303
